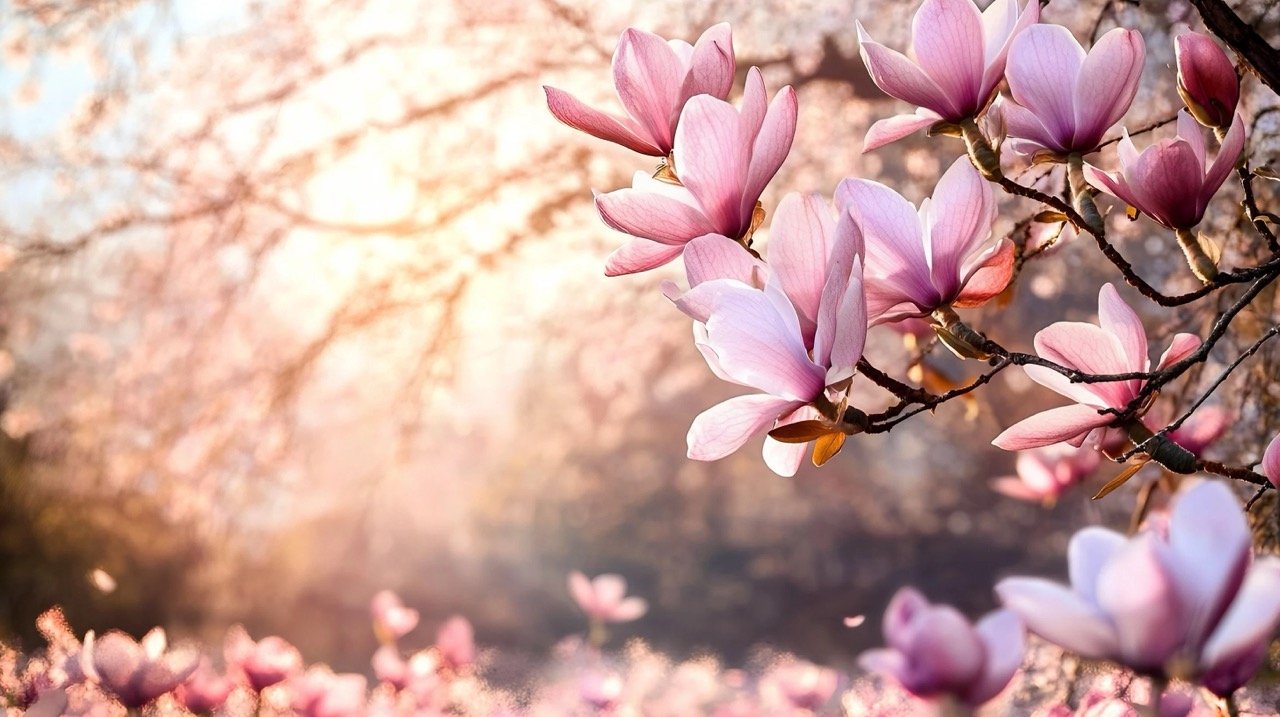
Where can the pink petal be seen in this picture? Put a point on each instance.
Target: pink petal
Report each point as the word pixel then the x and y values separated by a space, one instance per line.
pixel 652 216
pixel 648 74
pixel 895 128
pixel 1118 319
pixel 723 428
pixel 1043 66
pixel 1108 80
pixel 785 458
pixel 902 615
pixel 632 608
pixel 717 257
pixel 988 279
pixel 945 653
pixel 1052 426
pixel 770 147
pixel 759 345
pixel 1111 183
pixel 1189 130
pixel 1059 616
pixel 959 218
pixel 609 589
pixel 1271 461
pixel 948 45
pixel 1004 642
pixel 891 230
pixel 712 65
pixel 1210 548
pixel 574 113
pixel 713 160
pixel 1056 382
pixel 1207 75
pixel 800 241
pixel 1252 618
pixel 1225 162
pixel 640 255
pixel 1167 181
pixel 851 317
pixel 889 663
pixel 1027 133
pixel 1089 551
pixel 899 77
pixel 1090 349
pixel 1001 23
pixel 1137 592
pixel 1182 346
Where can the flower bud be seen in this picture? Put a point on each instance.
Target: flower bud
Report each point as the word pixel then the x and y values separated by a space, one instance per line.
pixel 1207 80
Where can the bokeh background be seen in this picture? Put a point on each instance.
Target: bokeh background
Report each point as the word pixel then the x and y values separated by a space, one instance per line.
pixel 303 299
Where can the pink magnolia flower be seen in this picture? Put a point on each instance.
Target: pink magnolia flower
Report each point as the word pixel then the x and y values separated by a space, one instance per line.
pixel 136 673
pixel 603 598
pixel 959 58
pixel 263 663
pixel 1169 181
pixel 1271 461
pixel 654 79
pixel 1117 344
pixel 391 619
pixel 205 690
pixel 456 642
pixel 941 254
pixel 935 652
pixel 724 157
pixel 792 340
pixel 1188 603
pixel 1207 80
pixel 321 693
pixel 1047 472
pixel 1063 100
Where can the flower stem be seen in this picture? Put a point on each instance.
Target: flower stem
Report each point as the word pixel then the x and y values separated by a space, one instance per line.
pixel 1202 265
pixel 1081 196
pixel 984 158
pixel 951 707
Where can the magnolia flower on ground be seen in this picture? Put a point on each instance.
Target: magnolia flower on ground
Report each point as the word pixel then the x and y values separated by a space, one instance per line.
pixel 391 619
pixel 654 79
pixel 205 690
pixel 1271 462
pixel 1186 601
pixel 136 673
pixel 934 652
pixel 603 598
pixel 1063 100
pixel 796 340
pixel 1045 473
pixel 724 158
pixel 321 693
pixel 959 58
pixel 1171 181
pixel 456 642
pixel 264 663
pixel 1117 344
pixel 940 255
pixel 1207 79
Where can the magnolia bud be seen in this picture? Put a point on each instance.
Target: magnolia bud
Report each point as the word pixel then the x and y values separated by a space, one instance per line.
pixel 1207 80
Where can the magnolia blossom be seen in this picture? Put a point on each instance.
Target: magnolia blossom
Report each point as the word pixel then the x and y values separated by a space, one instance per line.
pixel 1117 344
pixel 1169 181
pixel 456 642
pixel 654 79
pixel 800 334
pixel 942 254
pixel 321 693
pixel 959 58
pixel 264 663
pixel 1045 473
pixel 724 157
pixel 1188 602
pixel 391 619
pixel 136 672
pixel 206 690
pixel 935 652
pixel 1207 79
pixel 1063 100
pixel 1271 461
pixel 603 598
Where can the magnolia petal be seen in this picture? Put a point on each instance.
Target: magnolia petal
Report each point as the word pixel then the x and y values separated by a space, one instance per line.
pixel 1005 643
pixel 948 45
pixel 652 216
pixel 899 77
pixel 1210 546
pixel 1001 24
pixel 959 220
pixel 1271 461
pixel 1251 619
pixel 1089 551
pixel 1060 616
pixel 647 74
pixel 582 592
pixel 850 336
pixel 640 255
pixel 1044 64
pixel 1182 346
pixel 712 160
pixel 715 256
pixel 770 146
pixel 1138 594
pixel 712 64
pixel 1225 162
pixel 988 279
pixel 1106 85
pixel 723 428
pixel 895 128
pixel 632 608
pixel 1052 426
pixel 569 110
pixel 800 241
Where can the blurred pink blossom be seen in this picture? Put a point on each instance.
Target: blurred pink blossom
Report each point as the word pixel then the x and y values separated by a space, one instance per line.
pixel 654 79
pixel 391 619
pixel 1271 461
pixel 958 59
pixel 1169 181
pixel 456 642
pixel 1190 604
pixel 805 686
pixel 934 652
pixel 321 693
pixel 1064 100
pixel 136 673
pixel 205 690
pixel 603 598
pixel 1117 344
pixel 1047 472
pixel 262 664
pixel 1202 429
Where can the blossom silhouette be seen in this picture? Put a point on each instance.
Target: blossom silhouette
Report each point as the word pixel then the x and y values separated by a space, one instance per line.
pixel 654 79
pixel 1116 345
pixel 724 157
pixel 1186 601
pixel 934 652
pixel 959 59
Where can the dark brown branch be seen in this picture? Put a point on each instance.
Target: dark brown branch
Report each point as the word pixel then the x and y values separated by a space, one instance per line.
pixel 1261 57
